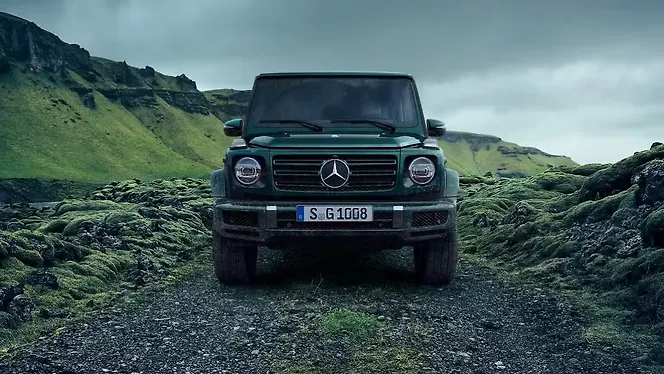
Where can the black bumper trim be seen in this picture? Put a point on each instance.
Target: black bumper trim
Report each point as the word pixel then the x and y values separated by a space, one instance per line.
pixel 393 222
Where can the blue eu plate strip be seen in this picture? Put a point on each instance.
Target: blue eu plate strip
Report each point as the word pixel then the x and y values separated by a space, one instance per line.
pixel 300 213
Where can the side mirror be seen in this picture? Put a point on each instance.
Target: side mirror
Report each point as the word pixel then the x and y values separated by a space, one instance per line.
pixel 233 127
pixel 435 128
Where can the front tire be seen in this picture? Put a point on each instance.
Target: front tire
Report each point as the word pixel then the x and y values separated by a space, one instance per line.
pixel 234 260
pixel 436 260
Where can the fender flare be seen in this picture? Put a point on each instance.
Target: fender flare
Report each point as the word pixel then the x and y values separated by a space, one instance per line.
pixel 451 184
pixel 218 183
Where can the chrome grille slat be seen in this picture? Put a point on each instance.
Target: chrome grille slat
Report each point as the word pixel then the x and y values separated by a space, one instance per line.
pixel 369 173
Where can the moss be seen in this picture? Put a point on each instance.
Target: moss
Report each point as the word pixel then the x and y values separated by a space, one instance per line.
pixel 12 271
pixel 558 181
pixel 119 217
pixel 596 210
pixel 396 360
pixel 82 206
pixel 653 228
pixel 55 226
pixel 617 177
pixel 344 322
pixel 605 208
pixel 523 232
pixel 77 225
pixel 28 257
pixel 293 368
pixel 587 169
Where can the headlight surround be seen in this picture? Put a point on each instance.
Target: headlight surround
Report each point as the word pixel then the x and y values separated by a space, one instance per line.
pixel 421 170
pixel 248 170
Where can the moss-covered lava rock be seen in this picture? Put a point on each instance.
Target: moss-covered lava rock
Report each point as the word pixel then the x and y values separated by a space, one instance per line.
pixel 591 227
pixel 69 257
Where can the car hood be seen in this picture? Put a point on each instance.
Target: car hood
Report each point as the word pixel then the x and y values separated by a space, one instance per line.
pixel 319 140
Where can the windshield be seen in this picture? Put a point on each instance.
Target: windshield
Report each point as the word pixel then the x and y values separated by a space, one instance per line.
pixel 334 101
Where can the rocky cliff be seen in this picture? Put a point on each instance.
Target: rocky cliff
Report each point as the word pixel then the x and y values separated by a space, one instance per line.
pixel 25 43
pixel 24 46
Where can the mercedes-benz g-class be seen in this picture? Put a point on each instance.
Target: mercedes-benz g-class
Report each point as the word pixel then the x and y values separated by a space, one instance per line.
pixel 330 160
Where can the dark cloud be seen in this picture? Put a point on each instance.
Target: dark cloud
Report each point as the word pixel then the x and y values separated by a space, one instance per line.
pixel 576 64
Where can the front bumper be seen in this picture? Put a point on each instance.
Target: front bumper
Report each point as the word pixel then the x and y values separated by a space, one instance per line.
pixel 395 224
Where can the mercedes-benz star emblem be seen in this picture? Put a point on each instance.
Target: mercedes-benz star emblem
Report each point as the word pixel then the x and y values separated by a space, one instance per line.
pixel 334 173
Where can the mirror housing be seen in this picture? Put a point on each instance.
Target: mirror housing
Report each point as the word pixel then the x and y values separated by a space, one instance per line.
pixel 233 127
pixel 435 128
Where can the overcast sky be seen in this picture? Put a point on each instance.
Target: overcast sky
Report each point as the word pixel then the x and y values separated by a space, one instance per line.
pixel 576 77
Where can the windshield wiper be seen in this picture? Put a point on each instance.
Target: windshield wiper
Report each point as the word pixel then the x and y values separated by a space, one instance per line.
pixel 382 125
pixel 313 126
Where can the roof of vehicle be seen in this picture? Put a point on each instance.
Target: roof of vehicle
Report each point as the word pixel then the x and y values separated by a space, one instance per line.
pixel 337 73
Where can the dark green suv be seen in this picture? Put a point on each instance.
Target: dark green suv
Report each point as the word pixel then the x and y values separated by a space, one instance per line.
pixel 334 160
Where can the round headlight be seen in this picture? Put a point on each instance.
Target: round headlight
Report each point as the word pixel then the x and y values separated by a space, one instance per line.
pixel 247 170
pixel 421 170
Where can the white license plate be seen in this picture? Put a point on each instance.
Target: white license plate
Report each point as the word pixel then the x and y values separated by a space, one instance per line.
pixel 334 213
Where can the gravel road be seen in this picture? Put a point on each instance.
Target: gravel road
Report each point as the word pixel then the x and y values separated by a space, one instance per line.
pixel 476 325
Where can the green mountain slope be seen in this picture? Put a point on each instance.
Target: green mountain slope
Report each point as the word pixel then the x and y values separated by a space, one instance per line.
pixel 66 115
pixel 47 132
pixel 477 154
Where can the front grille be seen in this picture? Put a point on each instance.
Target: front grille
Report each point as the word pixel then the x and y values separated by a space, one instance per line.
pixel 369 173
pixel 240 218
pixel 382 220
pixel 430 218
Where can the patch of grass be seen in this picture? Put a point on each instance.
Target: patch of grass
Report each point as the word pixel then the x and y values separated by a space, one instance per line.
pixel 294 368
pixel 393 360
pixel 607 324
pixel 349 323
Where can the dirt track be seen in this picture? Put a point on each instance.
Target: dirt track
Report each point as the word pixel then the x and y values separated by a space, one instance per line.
pixel 476 325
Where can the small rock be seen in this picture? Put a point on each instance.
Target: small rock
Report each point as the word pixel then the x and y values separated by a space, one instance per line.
pixel 53 313
pixel 643 358
pixel 487 324
pixel 21 307
pixel 464 354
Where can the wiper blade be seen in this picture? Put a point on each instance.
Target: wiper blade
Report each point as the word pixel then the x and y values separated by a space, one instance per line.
pixel 306 124
pixel 382 125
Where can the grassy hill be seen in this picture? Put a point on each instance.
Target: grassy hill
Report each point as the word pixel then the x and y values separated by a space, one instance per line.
pixel 478 154
pixel 48 132
pixel 67 115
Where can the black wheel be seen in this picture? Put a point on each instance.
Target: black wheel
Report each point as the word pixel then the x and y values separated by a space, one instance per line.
pixel 234 260
pixel 436 260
